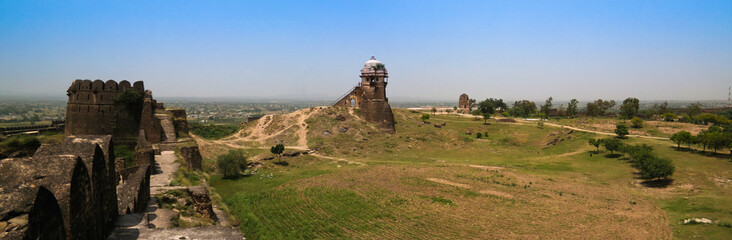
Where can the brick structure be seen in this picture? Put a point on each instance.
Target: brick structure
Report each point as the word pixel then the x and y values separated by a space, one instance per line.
pixel 464 103
pixel 98 108
pixel 370 96
pixel 75 189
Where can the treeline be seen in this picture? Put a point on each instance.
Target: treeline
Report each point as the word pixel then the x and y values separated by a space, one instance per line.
pixel 628 109
pixel 716 137
pixel 642 157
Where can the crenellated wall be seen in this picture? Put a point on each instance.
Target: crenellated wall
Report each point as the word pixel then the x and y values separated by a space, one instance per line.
pixel 93 109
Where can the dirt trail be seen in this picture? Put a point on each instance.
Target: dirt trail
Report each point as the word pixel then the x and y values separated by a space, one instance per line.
pixel 259 135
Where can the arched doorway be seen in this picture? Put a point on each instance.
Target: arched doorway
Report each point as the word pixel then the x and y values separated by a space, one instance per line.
pixel 45 220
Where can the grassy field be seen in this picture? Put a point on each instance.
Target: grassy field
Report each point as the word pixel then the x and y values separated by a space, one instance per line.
pixel 650 128
pixel 521 181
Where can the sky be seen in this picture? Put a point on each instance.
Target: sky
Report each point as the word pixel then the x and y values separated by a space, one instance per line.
pixel 434 50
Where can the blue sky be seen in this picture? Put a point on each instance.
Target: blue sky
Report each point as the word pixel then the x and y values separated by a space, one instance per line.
pixel 436 50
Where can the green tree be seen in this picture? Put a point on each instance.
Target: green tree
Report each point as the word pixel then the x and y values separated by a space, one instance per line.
pixel 629 108
pixel 681 137
pixel 636 122
pixel 486 116
pixel 433 110
pixel 621 130
pixel 596 143
pixel 599 107
pixel 471 104
pixel 232 163
pixel 693 109
pixel 523 108
pixel 572 107
pixel 486 107
pixel 612 144
pixel 547 106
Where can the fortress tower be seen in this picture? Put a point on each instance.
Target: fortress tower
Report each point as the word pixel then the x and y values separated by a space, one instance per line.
pixel 121 110
pixel 370 96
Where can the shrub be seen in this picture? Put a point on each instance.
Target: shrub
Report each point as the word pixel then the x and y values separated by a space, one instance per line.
pixel 232 163
pixel 636 122
pixel 479 135
pixel 425 117
pixel 277 149
pixel 656 167
pixel 126 153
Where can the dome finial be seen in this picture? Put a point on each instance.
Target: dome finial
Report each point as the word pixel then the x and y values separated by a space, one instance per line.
pixel 373 58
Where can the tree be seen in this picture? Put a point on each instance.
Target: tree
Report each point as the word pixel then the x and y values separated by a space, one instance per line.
pixel 636 122
pixel 572 107
pixel 681 137
pixel 277 149
pixel 433 110
pixel 599 107
pixel 486 107
pixel 471 104
pixel 523 108
pixel 693 109
pixel 612 144
pixel 596 143
pixel 621 130
pixel 425 117
pixel 232 163
pixel 547 106
pixel 660 109
pixel 629 108
pixel 486 117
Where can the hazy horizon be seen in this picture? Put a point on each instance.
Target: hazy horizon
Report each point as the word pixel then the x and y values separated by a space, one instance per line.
pixel 434 50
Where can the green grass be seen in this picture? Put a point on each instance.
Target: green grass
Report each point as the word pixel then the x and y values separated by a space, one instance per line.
pixel 211 131
pixel 267 208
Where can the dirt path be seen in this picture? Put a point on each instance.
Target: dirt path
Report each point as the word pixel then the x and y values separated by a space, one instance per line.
pixel 259 135
pixel 338 159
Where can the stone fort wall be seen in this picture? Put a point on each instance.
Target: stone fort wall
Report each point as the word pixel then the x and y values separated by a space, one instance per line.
pixel 93 109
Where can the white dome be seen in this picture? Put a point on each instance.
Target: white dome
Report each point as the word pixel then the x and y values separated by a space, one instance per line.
pixel 368 67
pixel 372 62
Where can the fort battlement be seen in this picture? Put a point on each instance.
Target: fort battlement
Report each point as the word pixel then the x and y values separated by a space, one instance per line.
pixel 98 107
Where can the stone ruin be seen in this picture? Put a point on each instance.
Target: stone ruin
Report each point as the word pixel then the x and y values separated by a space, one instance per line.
pixel 75 189
pixel 370 96
pixel 464 103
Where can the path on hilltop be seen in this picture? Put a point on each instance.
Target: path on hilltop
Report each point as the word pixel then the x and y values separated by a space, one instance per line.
pixel 259 135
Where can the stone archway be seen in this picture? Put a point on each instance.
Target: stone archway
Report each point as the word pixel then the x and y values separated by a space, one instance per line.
pixel 45 220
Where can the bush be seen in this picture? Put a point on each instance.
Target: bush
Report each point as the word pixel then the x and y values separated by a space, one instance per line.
pixel 425 117
pixel 277 149
pixel 126 153
pixel 636 122
pixel 232 163
pixel 479 135
pixel 656 167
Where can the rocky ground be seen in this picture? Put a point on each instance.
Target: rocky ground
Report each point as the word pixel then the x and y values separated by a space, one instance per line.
pixel 157 222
